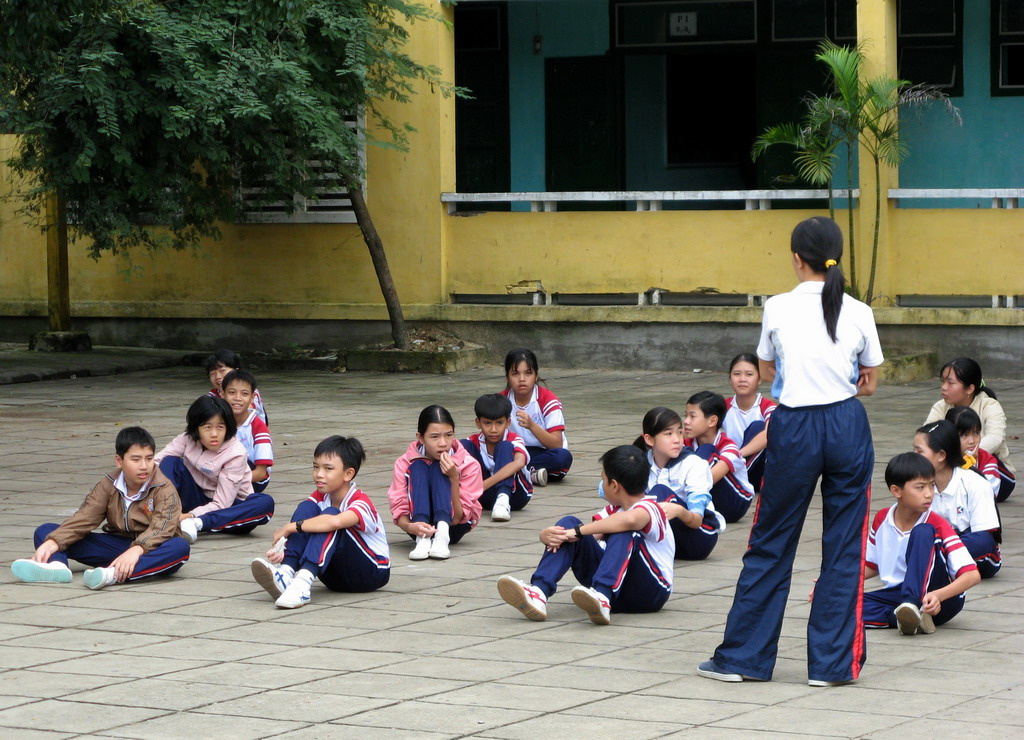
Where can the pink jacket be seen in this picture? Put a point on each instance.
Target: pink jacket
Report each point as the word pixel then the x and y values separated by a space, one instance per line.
pixel 471 483
pixel 223 475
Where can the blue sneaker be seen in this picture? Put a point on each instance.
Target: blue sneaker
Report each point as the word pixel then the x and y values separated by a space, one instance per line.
pixel 710 669
pixel 30 571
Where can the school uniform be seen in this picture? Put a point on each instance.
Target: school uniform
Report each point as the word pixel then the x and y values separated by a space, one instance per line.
pixel 686 481
pixel 742 426
pixel 993 431
pixel 633 570
pixel 257 402
pixel 149 519
pixel 354 559
pixel 259 449
pixel 546 410
pixel 985 464
pixel 733 493
pixel 819 430
pixel 420 491
pixel 519 487
pixel 967 504
pixel 910 564
pixel 215 485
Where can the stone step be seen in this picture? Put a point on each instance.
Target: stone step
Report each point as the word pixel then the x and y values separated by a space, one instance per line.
pixel 908 367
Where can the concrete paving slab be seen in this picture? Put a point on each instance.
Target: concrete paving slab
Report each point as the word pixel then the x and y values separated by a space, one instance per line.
pixel 437 653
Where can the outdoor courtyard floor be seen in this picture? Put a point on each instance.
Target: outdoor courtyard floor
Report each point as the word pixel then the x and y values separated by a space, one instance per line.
pixel 437 653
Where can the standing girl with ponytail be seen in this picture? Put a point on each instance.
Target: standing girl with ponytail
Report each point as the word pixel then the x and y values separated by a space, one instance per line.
pixel 823 348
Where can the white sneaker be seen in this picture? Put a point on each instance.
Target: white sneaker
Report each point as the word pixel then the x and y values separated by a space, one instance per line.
pixel 30 571
pixel 927 626
pixel 297 593
pixel 274 578
pixel 97 578
pixel 190 528
pixel 501 511
pixel 439 544
pixel 525 597
pixel 539 476
pixel 908 618
pixel 593 603
pixel 421 551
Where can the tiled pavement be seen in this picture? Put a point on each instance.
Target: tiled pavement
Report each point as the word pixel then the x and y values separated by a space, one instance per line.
pixel 437 653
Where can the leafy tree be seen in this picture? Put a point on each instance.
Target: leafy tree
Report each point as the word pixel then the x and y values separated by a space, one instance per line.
pixel 856 111
pixel 143 113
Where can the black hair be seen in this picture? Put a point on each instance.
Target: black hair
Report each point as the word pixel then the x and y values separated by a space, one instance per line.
pixel 942 437
pixel 433 415
pixel 224 357
pixel 493 406
pixel 348 449
pixel 818 240
pixel 968 372
pixel 513 358
pixel 656 421
pixel 628 466
pixel 205 408
pixel 238 374
pixel 745 357
pixel 710 404
pixel 908 466
pixel 964 419
pixel 131 436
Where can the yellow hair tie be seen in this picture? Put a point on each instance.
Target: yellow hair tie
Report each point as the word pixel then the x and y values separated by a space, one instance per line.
pixel 830 263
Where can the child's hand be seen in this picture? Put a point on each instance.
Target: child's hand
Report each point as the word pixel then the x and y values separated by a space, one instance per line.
pixel 524 419
pixel 448 465
pixel 124 564
pixel 930 603
pixel 45 551
pixel 420 529
pixel 553 537
pixel 810 596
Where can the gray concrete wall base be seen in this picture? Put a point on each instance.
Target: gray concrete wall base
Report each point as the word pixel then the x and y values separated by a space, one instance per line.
pixel 649 345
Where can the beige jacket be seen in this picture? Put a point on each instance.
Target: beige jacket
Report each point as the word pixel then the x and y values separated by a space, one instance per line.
pixel 993 425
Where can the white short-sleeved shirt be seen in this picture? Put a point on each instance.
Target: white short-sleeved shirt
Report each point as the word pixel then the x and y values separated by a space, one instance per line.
pixel 887 547
pixel 545 409
pixel 967 502
pixel 810 369
pixel 368 532
pixel 661 545
pixel 737 420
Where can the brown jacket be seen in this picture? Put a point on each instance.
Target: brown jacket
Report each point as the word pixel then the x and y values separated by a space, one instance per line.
pixel 152 520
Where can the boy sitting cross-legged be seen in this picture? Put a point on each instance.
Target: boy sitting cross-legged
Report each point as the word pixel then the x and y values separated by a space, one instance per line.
pixel 502 456
pixel 925 567
pixel 623 557
pixel 139 510
pixel 335 535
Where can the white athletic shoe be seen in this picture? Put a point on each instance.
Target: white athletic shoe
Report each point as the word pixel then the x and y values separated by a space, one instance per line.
pixel 539 476
pixel 97 578
pixel 297 593
pixel 593 603
pixel 908 618
pixel 525 597
pixel 273 578
pixel 421 551
pixel 927 626
pixel 30 571
pixel 501 511
pixel 190 528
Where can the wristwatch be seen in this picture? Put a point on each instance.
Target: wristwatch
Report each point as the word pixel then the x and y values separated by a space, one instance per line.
pixel 298 524
pixel 579 534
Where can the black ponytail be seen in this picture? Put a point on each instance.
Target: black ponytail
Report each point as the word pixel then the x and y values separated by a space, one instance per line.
pixel 819 242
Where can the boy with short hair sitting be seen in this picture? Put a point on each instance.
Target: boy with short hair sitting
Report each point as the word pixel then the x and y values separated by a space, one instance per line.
pixel 140 536
pixel 335 535
pixel 502 456
pixel 917 554
pixel 238 389
pixel 628 570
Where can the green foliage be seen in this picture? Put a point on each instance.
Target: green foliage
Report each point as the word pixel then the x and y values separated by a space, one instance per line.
pixel 143 112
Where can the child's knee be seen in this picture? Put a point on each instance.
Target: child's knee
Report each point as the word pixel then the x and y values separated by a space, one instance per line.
pixel 305 510
pixel 42 532
pixel 568 522
pixel 707 452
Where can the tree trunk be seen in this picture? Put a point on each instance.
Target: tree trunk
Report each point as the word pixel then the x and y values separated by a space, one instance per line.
pixel 380 266
pixel 874 244
pixel 849 211
pixel 58 291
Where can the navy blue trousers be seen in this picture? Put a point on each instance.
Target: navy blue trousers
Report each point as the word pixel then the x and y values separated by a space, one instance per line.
pixel 517 488
pixel 99 550
pixel 623 570
pixel 985 551
pixel 431 494
pixel 731 499
pixel 691 544
pixel 832 442
pixel 926 571
pixel 556 460
pixel 241 517
pixel 755 463
pixel 1007 482
pixel 337 558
